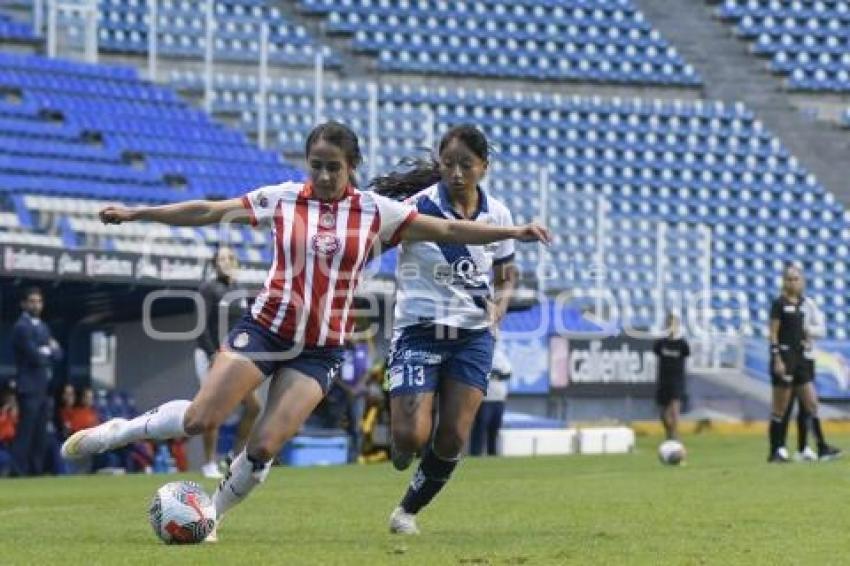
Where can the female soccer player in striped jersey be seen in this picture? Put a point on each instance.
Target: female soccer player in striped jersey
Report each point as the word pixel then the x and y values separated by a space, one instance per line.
pixel 324 230
pixel 449 296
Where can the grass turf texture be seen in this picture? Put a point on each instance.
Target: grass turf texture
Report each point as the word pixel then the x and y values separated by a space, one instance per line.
pixel 727 506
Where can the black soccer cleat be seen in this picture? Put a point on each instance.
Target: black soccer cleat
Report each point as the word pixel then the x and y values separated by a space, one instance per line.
pixel 827 453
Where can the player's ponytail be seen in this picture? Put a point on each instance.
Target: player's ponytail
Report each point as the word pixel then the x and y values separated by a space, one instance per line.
pixel 420 173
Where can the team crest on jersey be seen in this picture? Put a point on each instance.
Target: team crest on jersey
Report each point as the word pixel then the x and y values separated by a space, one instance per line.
pixel 326 244
pixel 327 220
pixel 261 200
pixel 241 340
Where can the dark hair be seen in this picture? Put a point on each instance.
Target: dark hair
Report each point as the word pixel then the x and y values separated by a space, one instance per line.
pixel 792 265
pixel 30 291
pixel 339 135
pixel 424 172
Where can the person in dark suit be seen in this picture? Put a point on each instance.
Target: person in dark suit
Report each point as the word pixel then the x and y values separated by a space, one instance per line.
pixel 35 352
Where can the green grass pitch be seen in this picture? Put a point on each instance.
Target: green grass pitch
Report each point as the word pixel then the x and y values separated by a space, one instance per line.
pixel 726 506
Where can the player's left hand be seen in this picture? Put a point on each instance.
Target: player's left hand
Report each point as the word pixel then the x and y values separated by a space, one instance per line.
pixel 533 232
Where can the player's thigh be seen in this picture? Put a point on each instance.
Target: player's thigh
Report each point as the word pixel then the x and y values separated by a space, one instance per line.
pixel 228 381
pixel 292 397
pixel 458 405
pixel 781 398
pixel 413 371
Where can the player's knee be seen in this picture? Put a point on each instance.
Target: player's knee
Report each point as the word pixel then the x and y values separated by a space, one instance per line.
pixel 449 443
pixel 263 452
pixel 409 438
pixel 266 444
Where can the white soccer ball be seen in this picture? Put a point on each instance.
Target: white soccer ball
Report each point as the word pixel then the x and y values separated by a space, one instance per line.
pixel 671 452
pixel 182 513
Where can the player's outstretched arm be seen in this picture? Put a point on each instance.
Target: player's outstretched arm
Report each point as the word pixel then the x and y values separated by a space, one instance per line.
pixel 428 228
pixel 189 213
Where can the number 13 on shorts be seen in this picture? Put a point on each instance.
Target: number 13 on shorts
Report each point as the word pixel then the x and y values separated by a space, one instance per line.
pixel 414 375
pixel 406 376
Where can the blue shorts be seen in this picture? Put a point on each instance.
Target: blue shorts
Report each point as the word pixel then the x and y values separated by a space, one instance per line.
pixel 423 354
pixel 271 353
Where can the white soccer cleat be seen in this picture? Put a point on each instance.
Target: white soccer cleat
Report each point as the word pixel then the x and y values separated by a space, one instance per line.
pixel 210 471
pixel 807 455
pixel 402 523
pixel 91 441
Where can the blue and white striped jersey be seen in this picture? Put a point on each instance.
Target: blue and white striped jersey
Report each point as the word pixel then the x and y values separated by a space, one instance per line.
pixel 449 284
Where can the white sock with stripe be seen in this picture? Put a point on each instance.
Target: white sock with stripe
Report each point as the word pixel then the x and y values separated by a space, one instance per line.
pixel 242 477
pixel 160 423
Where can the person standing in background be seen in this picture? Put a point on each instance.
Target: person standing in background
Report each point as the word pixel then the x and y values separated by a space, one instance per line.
pixel 354 374
pixel 35 352
pixel 8 424
pixel 814 326
pixel 488 421
pixel 214 292
pixel 672 352
pixel 791 370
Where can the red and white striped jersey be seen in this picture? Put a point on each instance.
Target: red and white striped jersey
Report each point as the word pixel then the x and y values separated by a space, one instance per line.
pixel 320 248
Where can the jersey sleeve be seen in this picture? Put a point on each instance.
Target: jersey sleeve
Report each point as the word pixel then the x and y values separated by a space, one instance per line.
pixel 505 250
pixel 261 203
pixel 394 217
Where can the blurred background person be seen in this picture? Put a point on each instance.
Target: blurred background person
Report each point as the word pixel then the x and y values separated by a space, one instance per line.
pixel 35 351
pixel 8 424
pixel 814 328
pixel 354 375
pixel 218 305
pixel 488 420
pixel 672 352
pixel 77 412
pixel 791 369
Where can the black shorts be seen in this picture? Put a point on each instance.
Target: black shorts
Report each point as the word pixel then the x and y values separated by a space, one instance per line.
pixel 670 390
pixel 799 370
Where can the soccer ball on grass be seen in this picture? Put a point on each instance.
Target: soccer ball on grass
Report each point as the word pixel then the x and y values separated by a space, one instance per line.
pixel 182 513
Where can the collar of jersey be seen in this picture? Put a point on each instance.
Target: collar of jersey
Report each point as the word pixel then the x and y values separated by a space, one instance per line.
pixel 446 202
pixel 307 192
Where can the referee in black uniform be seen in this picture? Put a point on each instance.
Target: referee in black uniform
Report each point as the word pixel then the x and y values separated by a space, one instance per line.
pixel 672 350
pixel 790 367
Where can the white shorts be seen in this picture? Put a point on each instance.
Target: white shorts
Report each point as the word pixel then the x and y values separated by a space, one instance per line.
pixel 202 365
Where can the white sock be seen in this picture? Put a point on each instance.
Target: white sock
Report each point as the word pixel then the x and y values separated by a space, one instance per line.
pixel 160 423
pixel 244 476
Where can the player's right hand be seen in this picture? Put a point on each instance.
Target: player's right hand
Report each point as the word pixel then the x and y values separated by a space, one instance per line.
pixel 115 215
pixel 534 232
pixel 779 367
